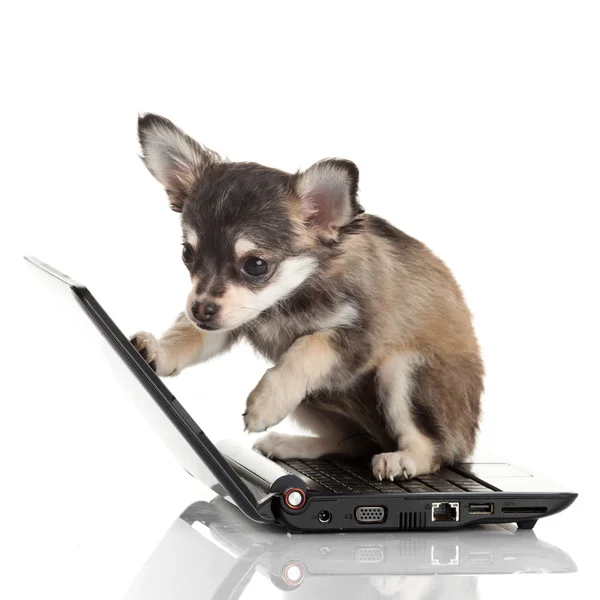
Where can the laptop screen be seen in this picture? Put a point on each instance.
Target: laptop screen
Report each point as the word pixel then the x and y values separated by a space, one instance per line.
pixel 193 450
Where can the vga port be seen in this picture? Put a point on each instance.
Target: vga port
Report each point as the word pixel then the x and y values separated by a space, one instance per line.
pixel 370 514
pixel 369 554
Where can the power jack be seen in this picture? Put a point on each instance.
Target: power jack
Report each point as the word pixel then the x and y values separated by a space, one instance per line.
pixel 324 517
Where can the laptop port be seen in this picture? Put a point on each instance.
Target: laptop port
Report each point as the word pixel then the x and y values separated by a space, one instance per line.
pixel 480 558
pixel 444 555
pixel 369 554
pixel 484 508
pixel 524 510
pixel 445 511
pixel 324 517
pixel 370 514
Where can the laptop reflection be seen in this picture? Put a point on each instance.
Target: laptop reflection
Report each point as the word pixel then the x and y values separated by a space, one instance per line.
pixel 214 551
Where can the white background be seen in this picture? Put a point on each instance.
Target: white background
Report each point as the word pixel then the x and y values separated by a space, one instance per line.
pixel 476 127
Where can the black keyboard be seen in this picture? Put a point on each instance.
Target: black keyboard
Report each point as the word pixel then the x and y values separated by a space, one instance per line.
pixel 347 476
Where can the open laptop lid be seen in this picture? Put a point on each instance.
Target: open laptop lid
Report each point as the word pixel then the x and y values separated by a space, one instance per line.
pixel 190 445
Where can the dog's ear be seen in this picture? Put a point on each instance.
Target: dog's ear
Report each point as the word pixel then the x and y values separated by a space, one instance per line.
pixel 328 192
pixel 174 158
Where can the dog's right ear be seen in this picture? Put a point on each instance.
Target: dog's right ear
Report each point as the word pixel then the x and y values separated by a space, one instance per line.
pixel 174 158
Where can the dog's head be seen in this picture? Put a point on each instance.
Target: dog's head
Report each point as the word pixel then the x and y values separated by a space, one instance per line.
pixel 252 235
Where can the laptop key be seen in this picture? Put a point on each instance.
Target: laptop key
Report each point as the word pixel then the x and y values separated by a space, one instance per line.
pixel 387 487
pixel 415 487
pixel 363 488
pixel 447 488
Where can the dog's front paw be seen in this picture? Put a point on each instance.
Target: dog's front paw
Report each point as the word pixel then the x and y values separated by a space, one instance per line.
pixel 147 345
pixel 264 407
pixel 149 348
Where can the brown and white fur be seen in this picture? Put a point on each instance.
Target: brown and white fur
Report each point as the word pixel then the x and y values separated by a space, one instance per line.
pixel 370 337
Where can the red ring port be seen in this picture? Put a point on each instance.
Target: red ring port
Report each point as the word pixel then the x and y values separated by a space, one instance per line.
pixel 293 573
pixel 294 498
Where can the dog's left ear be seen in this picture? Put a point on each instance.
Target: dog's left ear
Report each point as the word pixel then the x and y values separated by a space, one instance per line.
pixel 328 192
pixel 174 158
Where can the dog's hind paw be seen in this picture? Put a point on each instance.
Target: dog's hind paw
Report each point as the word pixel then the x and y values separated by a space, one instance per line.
pixel 284 447
pixel 390 465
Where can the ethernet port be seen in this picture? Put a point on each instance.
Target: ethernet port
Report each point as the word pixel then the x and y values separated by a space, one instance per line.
pixel 444 555
pixel 445 511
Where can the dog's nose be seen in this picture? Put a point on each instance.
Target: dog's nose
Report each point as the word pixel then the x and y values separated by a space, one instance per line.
pixel 210 309
pixel 204 311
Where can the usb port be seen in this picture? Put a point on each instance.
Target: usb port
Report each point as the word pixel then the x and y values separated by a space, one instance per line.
pixel 481 558
pixel 481 508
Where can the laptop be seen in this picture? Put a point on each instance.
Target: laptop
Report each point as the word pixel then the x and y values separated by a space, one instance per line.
pixel 334 493
pixel 213 551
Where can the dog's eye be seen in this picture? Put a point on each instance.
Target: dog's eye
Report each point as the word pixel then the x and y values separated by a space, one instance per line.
pixel 255 267
pixel 187 254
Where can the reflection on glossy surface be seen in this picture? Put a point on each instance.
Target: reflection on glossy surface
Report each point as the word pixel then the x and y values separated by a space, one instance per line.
pixel 213 551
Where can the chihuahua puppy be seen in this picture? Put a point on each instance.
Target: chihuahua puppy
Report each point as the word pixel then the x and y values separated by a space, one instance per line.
pixel 370 337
